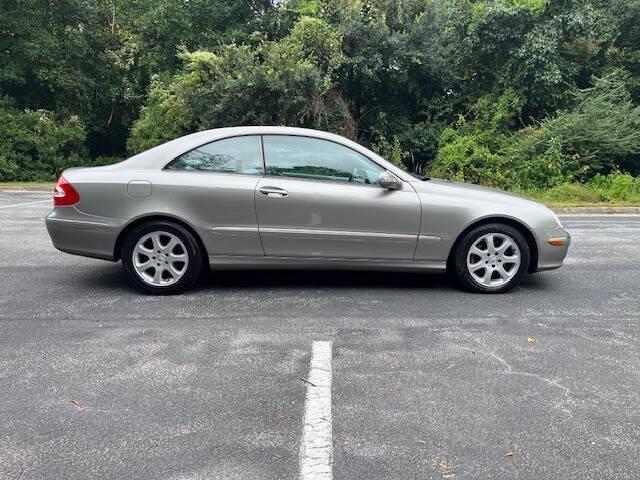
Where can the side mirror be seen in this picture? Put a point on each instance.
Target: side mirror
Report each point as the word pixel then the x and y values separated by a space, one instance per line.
pixel 389 181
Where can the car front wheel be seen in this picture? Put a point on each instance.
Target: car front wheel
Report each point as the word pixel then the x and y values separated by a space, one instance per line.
pixel 492 258
pixel 161 257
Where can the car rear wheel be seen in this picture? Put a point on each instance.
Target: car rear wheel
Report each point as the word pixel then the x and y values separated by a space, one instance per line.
pixel 161 257
pixel 492 258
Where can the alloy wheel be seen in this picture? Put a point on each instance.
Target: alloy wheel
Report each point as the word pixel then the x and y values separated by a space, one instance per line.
pixel 493 259
pixel 160 258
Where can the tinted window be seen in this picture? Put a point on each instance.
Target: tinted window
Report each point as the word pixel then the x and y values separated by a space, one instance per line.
pixel 291 156
pixel 234 155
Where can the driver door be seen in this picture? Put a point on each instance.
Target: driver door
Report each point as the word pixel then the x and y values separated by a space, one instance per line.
pixel 320 199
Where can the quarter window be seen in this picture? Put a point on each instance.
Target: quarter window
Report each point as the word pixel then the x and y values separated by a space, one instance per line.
pixel 231 155
pixel 291 156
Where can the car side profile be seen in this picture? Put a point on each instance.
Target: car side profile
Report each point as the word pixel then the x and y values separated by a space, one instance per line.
pixel 280 197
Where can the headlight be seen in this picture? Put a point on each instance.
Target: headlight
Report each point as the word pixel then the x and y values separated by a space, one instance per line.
pixel 555 217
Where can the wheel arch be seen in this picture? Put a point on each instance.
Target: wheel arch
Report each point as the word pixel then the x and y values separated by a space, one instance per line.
pixel 521 227
pixel 117 249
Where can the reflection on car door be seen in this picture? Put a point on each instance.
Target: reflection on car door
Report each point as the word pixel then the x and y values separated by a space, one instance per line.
pixel 214 185
pixel 320 199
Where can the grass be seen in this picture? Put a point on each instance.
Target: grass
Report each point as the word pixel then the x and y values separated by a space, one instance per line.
pixel 571 204
pixel 551 200
pixel 39 186
pixel 589 195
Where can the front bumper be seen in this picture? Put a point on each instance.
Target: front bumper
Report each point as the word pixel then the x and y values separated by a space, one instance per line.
pixel 74 232
pixel 553 245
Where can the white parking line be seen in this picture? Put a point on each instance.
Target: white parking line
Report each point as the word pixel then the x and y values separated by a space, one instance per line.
pixel 26 203
pixel 316 450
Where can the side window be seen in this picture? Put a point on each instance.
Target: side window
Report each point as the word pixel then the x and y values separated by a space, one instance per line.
pixel 291 156
pixel 233 155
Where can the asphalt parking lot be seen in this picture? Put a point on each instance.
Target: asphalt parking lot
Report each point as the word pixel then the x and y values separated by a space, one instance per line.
pixel 99 382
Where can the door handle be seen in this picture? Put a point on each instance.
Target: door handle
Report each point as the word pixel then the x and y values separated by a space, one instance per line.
pixel 276 192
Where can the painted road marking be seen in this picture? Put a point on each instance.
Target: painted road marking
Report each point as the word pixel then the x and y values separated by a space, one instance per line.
pixel 316 450
pixel 26 203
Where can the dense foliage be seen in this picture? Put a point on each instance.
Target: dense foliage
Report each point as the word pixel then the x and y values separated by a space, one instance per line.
pixel 528 95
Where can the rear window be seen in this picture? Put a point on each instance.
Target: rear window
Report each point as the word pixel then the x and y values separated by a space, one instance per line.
pixel 230 155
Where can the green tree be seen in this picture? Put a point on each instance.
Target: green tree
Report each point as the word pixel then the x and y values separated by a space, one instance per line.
pixel 288 82
pixel 397 75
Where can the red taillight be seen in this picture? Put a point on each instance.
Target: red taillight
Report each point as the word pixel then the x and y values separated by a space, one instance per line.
pixel 64 195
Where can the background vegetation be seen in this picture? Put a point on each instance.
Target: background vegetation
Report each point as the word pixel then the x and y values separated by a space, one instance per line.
pixel 537 96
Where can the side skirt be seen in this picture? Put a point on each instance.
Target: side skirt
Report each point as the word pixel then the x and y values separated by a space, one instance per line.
pixel 232 262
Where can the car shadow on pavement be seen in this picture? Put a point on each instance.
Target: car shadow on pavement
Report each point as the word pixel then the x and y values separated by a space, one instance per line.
pixel 99 275
pixel 309 279
pixel 323 279
pixel 111 277
pixel 539 282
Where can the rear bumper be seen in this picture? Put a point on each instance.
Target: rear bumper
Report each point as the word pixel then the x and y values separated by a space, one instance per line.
pixel 550 255
pixel 74 232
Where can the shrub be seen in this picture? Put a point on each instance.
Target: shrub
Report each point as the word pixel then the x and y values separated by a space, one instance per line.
pixel 466 158
pixel 475 151
pixel 538 166
pixel 600 133
pixel 616 187
pixel 103 160
pixel 36 146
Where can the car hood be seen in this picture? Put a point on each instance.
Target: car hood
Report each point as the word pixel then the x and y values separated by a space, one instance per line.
pixel 475 192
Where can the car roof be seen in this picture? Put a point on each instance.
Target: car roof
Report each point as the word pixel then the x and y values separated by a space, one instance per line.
pixel 157 157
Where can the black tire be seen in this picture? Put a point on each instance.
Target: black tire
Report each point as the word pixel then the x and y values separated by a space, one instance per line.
pixel 458 263
pixel 192 249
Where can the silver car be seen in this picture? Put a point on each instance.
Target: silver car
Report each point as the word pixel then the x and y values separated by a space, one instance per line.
pixel 278 197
